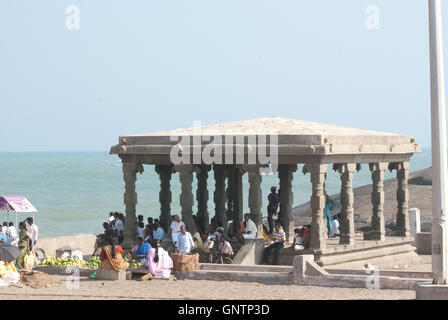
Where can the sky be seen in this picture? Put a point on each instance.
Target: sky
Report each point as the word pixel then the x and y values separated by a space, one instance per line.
pixel 148 65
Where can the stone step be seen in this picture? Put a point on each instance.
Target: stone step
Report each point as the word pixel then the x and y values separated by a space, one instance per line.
pixel 241 276
pixel 373 253
pixel 247 268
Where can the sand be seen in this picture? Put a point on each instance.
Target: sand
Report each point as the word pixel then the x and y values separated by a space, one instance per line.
pixel 192 289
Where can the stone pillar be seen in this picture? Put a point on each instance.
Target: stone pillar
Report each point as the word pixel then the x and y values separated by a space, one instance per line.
pixel 202 197
pixel 347 226
pixel 186 196
pixel 236 195
pixel 130 201
pixel 285 175
pixel 378 231
pixel 255 197
pixel 414 221
pixel 403 229
pixel 165 172
pixel 318 227
pixel 220 195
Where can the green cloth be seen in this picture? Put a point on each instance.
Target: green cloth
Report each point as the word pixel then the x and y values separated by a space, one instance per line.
pixel 24 236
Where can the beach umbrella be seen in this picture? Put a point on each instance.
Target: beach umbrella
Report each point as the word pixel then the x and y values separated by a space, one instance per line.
pixel 16 204
pixel 8 252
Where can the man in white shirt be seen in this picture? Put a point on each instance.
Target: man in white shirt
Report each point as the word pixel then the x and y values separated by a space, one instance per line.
pixel 12 232
pixel 335 226
pixel 184 240
pixel 175 229
pixel 33 230
pixel 119 227
pixel 251 228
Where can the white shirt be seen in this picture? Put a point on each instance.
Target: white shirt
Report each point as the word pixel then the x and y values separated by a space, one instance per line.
pixel 119 225
pixel 12 233
pixel 140 231
pixel 335 226
pixel 111 219
pixel 175 226
pixel 185 242
pixel 298 239
pixel 251 226
pixel 33 230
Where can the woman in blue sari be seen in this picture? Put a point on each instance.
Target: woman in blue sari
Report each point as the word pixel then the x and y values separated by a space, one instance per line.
pixel 140 251
pixel 330 205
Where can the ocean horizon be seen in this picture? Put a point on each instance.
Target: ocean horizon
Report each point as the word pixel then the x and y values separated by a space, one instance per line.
pixel 74 191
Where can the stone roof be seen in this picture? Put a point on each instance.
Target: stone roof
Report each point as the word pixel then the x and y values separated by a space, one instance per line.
pixel 283 126
pixel 294 137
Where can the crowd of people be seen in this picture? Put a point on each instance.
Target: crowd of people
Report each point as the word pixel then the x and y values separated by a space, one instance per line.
pixel 152 233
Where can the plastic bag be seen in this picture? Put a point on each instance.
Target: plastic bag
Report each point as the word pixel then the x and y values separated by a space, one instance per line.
pixel 29 261
pixel 11 277
pixel 3 283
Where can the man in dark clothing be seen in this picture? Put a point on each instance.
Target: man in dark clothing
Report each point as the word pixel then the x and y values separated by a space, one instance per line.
pixel 274 200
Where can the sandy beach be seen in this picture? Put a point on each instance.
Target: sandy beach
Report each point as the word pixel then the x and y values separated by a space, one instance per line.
pixel 197 289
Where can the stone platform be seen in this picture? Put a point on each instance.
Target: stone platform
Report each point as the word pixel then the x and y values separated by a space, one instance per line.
pixel 289 275
pixel 383 254
pixel 429 291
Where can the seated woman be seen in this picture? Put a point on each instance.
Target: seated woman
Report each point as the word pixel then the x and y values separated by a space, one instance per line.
pixel 140 251
pixel 198 244
pixel 298 239
pixel 307 236
pixel 111 257
pixel 159 262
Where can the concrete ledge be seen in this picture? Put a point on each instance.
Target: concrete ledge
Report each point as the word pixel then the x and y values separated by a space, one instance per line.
pixel 424 240
pixel 240 267
pixel 304 266
pixel 61 271
pixel 356 281
pixel 429 291
pixel 102 274
pixel 251 276
pixel 251 252
pixel 385 273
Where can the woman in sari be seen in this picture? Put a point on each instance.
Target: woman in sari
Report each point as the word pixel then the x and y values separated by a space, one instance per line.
pixel 111 257
pixel 159 262
pixel 24 237
pixel 140 251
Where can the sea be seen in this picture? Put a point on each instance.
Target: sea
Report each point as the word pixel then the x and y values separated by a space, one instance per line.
pixel 75 191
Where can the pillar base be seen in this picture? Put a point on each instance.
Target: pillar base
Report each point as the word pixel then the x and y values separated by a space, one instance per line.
pixel 429 291
pixel 375 235
pixel 404 234
pixel 347 240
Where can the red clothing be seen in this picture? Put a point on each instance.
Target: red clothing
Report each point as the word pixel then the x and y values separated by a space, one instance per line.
pixel 118 249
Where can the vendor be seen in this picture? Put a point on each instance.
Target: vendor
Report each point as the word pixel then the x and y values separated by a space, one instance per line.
pixel 111 257
pixel 23 244
pixel 140 251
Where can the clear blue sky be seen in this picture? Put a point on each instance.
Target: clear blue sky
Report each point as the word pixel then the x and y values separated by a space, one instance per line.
pixel 147 65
